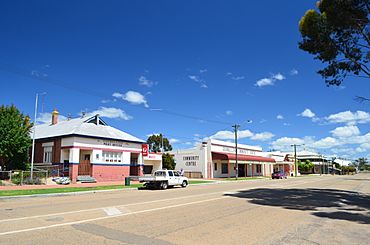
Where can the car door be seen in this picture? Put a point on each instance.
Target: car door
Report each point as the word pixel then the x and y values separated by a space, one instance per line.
pixel 177 177
pixel 171 178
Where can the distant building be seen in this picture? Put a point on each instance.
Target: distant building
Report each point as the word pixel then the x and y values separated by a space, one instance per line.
pixel 216 159
pixel 283 162
pixel 89 146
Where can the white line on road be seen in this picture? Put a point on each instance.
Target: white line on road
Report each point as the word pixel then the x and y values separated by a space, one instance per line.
pixel 109 217
pixel 96 209
pixel 111 211
pixel 148 202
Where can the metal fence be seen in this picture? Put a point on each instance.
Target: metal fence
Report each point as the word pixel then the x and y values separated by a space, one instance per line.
pixel 20 177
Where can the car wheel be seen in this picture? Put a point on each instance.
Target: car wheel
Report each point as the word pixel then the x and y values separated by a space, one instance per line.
pixel 164 185
pixel 184 184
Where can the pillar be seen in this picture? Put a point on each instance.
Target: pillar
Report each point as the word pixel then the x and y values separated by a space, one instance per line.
pixel 74 160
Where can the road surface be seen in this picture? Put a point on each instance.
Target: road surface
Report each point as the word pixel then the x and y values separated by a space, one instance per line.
pixel 303 210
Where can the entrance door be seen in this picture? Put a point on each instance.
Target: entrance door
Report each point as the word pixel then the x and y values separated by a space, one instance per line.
pixel 241 172
pixel 84 168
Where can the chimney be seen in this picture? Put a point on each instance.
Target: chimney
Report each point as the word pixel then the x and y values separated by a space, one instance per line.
pixel 54 117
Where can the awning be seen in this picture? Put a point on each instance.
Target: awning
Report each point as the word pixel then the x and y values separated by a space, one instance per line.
pixel 250 158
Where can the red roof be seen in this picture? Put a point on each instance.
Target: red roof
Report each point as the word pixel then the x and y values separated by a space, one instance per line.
pixel 228 156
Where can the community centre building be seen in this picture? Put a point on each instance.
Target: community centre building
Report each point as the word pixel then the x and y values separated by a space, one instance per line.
pixel 88 146
pixel 216 159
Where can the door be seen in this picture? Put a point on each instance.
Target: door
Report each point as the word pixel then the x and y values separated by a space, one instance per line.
pixel 84 168
pixel 177 177
pixel 241 172
pixel 171 178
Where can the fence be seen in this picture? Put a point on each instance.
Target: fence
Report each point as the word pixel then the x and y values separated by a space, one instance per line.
pixel 20 177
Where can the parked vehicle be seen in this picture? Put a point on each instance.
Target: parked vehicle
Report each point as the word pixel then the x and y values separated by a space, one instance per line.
pixel 162 179
pixel 279 175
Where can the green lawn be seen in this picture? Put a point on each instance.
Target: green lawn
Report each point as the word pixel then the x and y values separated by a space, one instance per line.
pixel 200 181
pixel 64 190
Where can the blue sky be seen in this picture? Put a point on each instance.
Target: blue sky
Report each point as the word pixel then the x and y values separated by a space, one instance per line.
pixel 187 69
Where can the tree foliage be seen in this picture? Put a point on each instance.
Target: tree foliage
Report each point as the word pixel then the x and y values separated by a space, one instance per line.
pixel 155 143
pixel 338 34
pixel 15 140
pixel 168 161
pixel 306 166
pixel 362 163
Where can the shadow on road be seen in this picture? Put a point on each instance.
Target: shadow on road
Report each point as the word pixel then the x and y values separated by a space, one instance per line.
pixel 325 203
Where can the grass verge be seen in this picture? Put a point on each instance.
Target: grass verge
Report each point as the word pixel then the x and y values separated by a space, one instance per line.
pixel 64 190
pixel 192 182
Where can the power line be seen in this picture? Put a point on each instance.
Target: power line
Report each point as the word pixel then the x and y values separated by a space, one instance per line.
pixel 73 87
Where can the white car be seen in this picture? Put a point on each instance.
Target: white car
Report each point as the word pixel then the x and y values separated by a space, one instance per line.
pixel 163 179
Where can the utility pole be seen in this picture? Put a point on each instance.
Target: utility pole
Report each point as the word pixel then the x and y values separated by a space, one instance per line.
pixel 162 143
pixel 295 159
pixel 236 127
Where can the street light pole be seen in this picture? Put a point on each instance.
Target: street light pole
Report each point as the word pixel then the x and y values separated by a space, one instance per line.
pixel 33 136
pixel 236 127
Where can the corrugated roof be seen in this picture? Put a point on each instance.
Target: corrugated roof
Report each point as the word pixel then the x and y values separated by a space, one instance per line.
pixel 82 126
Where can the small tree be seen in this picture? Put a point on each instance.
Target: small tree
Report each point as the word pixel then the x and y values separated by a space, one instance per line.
pixel 306 166
pixel 155 145
pixel 361 163
pixel 168 161
pixel 15 140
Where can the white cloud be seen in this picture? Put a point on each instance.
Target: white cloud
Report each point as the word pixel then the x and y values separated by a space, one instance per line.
pixel 280 117
pixel 350 118
pixel 197 79
pixel 229 135
pixel 270 81
pixel 237 78
pixel 111 112
pixel 264 82
pixel 203 70
pixel 228 112
pixel 132 97
pixel 327 142
pixel 293 72
pixel 278 77
pixel 346 131
pixel 45 117
pixel 285 143
pixel 307 113
pixel 262 136
pixel 173 141
pixel 143 81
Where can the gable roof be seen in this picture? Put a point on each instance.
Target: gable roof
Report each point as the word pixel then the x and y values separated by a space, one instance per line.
pixel 90 127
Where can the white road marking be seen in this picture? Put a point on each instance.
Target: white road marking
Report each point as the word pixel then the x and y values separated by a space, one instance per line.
pixel 111 211
pixel 108 217
pixel 149 202
pixel 96 209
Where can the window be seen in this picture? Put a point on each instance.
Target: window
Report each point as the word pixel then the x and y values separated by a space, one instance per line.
pixel 170 173
pixel 225 168
pixel 215 166
pixel 176 174
pixel 112 156
pixel 48 154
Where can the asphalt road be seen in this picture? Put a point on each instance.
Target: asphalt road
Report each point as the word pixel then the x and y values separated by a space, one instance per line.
pixel 304 210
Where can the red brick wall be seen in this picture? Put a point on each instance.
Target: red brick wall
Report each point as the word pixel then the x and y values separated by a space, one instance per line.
pixel 110 172
pixel 39 150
